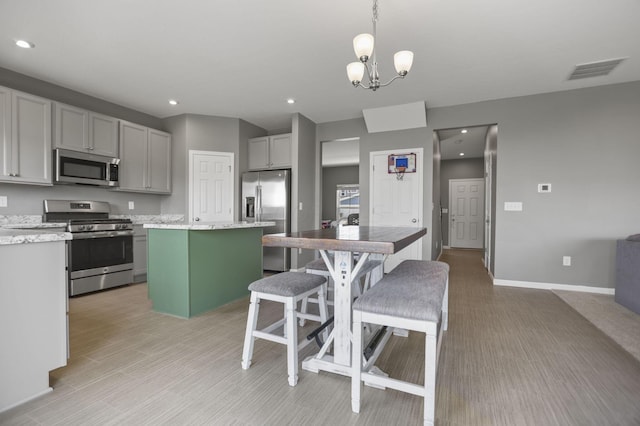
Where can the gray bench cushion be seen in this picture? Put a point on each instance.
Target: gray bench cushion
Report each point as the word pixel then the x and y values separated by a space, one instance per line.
pixel 318 264
pixel 287 284
pixel 413 290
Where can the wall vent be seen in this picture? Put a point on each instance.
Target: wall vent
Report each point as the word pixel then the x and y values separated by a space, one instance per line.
pixel 595 69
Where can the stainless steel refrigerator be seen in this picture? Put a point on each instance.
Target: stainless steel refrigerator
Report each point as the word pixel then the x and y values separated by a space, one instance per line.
pixel 266 196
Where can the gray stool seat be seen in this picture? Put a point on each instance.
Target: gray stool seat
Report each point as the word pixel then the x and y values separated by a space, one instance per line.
pixel 404 292
pixel 287 284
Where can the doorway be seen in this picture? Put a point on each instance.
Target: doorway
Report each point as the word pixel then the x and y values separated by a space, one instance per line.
pixel 468 153
pixel 339 169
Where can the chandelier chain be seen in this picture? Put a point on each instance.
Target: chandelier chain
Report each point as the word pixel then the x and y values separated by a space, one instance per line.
pixel 375 11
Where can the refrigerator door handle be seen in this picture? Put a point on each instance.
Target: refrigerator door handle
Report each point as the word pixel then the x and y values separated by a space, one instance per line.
pixel 259 203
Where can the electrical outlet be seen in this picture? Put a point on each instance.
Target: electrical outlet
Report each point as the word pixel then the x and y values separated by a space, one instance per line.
pixel 566 260
pixel 131 205
pixel 300 206
pixel 3 201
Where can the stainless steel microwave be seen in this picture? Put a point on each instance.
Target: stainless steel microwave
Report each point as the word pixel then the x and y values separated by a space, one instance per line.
pixel 84 168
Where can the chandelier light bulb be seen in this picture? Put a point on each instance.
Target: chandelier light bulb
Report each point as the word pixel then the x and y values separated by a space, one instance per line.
pixel 355 71
pixel 403 61
pixel 363 46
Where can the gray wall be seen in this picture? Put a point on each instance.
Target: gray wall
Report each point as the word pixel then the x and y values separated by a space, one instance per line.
pixel 436 219
pixel 456 169
pixel 305 160
pixel 47 90
pixel 584 142
pixel 491 154
pixel 412 138
pixel 27 199
pixel 331 177
pixel 205 133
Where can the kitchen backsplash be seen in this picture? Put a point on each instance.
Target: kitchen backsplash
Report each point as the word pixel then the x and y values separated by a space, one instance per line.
pixel 136 219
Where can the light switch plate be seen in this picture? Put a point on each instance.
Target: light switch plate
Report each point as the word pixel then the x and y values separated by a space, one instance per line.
pixel 131 205
pixel 3 201
pixel 513 206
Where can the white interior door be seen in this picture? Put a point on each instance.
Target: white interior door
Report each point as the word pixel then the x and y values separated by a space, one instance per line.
pixel 210 186
pixel 466 213
pixel 396 202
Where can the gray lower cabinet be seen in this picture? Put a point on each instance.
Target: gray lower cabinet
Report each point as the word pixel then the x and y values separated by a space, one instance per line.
pixel 145 159
pixel 139 254
pixel 33 319
pixel 25 138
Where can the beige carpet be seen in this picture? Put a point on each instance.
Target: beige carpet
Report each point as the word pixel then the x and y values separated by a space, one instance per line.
pixel 616 321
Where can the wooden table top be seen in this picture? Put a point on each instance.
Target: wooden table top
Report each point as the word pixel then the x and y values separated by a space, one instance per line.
pixel 363 239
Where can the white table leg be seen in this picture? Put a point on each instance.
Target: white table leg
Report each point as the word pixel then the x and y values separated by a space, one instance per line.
pixel 342 308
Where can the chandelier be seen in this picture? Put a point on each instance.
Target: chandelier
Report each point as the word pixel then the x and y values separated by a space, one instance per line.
pixel 363 44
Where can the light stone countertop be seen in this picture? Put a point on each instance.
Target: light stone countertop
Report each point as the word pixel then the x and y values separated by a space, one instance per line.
pixel 24 236
pixel 208 226
pixel 141 219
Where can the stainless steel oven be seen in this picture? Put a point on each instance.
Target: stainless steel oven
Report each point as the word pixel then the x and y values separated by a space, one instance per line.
pixel 100 253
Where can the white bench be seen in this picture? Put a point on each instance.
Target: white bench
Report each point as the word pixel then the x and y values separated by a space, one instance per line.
pixel 413 296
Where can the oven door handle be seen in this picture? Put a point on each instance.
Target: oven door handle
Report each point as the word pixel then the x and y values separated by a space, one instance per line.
pixel 100 234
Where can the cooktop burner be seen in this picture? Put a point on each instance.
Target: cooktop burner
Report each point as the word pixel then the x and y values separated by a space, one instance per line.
pixel 84 216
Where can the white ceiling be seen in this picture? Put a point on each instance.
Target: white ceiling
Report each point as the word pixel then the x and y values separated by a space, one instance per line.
pixel 245 58
pixel 471 144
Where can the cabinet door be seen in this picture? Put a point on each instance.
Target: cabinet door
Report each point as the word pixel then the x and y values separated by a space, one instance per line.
pixel 71 128
pixel 6 147
pixel 259 153
pixel 133 157
pixel 280 151
pixel 31 134
pixel 103 134
pixel 159 162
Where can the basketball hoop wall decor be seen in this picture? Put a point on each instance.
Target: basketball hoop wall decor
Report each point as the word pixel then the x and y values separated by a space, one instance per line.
pixel 399 164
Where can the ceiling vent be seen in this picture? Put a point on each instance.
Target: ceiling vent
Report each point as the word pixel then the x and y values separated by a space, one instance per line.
pixel 595 69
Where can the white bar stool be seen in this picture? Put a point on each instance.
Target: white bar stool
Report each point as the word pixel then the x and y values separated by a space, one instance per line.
pixel 287 288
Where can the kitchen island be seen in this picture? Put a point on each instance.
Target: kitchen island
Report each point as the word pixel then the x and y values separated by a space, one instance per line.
pixel 33 312
pixel 196 267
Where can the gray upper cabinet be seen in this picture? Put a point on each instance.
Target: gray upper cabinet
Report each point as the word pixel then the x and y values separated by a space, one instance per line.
pixel 81 130
pixel 25 138
pixel 270 152
pixel 145 159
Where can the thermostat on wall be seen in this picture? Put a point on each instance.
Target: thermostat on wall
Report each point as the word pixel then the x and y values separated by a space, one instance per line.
pixel 544 187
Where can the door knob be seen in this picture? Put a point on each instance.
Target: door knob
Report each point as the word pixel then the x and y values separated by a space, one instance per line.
pixel 414 220
pixel 197 219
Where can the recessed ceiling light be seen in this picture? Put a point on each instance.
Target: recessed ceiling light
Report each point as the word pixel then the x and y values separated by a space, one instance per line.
pixel 291 101
pixel 463 131
pixel 173 102
pixel 25 44
pixel 461 154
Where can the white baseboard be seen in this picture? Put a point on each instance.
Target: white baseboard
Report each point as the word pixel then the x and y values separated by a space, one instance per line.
pixel 552 286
